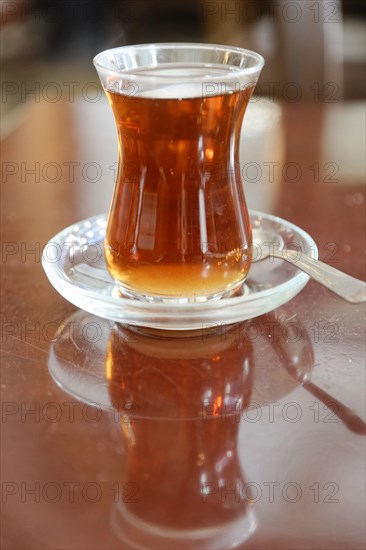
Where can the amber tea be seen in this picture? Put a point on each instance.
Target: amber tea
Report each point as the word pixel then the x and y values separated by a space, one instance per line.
pixel 178 226
pixel 175 227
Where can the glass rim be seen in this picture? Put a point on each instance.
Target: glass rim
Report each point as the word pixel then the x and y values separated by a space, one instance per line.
pixel 129 73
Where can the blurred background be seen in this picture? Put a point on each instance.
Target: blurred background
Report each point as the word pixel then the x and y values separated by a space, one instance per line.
pixel 314 52
pixel 303 41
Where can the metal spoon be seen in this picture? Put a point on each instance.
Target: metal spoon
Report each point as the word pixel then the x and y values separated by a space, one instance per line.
pixel 269 244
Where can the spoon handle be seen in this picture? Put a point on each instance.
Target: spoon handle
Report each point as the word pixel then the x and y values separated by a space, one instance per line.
pixel 344 285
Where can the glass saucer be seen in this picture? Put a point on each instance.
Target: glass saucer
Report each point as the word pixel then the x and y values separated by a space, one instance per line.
pixel 74 263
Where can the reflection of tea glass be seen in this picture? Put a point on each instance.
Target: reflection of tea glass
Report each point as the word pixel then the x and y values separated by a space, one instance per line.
pixel 178 228
pixel 181 402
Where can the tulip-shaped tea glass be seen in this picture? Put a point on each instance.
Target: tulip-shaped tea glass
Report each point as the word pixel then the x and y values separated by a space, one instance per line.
pixel 178 227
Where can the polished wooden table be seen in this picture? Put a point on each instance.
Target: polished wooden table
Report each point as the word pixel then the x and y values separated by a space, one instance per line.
pixel 251 437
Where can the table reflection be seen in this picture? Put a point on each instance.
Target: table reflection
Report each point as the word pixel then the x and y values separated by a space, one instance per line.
pixel 181 401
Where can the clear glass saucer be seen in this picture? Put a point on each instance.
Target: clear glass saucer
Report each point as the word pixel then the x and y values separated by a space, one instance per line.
pixel 74 263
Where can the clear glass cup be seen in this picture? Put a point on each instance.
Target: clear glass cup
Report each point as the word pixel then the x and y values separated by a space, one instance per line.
pixel 178 227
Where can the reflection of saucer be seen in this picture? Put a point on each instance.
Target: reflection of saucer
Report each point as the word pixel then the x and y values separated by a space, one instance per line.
pixel 141 534
pixel 183 484
pixel 74 263
pixel 276 364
